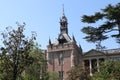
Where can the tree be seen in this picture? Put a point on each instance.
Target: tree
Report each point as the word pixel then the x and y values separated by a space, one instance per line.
pixel 15 54
pixel 36 70
pixel 78 73
pixel 110 16
pixel 109 70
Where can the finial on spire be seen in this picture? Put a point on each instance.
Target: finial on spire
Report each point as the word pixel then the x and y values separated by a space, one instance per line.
pixel 63 10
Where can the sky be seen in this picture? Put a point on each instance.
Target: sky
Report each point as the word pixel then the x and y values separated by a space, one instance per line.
pixel 43 16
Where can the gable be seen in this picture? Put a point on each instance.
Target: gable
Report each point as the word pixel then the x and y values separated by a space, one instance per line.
pixel 94 53
pixel 66 37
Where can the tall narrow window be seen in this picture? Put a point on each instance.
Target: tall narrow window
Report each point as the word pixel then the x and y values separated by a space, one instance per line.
pixel 61 74
pixel 60 59
pixel 50 55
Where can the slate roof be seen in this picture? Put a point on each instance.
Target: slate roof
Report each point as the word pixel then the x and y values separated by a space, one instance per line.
pixel 62 38
pixel 94 52
pixel 112 51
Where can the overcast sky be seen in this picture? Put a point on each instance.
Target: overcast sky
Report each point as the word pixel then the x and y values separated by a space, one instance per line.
pixel 42 16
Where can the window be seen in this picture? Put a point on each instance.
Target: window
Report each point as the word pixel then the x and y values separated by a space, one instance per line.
pixel 61 74
pixel 60 59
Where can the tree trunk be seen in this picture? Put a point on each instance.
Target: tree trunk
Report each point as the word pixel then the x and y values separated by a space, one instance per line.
pixel 15 72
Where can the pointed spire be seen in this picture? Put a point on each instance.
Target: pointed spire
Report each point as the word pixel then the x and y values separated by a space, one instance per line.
pixel 80 47
pixel 49 43
pixel 63 23
pixel 73 38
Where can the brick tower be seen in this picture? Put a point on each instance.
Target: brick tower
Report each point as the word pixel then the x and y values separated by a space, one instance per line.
pixel 64 52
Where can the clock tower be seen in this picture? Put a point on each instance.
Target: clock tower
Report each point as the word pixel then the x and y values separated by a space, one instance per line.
pixel 64 52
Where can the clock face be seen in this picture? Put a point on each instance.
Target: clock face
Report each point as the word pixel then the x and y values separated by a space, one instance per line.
pixel 61 37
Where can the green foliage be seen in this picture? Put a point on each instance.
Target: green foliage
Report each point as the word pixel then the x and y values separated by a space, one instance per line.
pixel 37 69
pixel 15 54
pixel 109 70
pixel 92 18
pixel 78 73
pixel 94 34
pixel 110 16
pixel 53 76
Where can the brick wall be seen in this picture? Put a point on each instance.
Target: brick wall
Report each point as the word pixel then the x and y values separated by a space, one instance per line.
pixel 71 55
